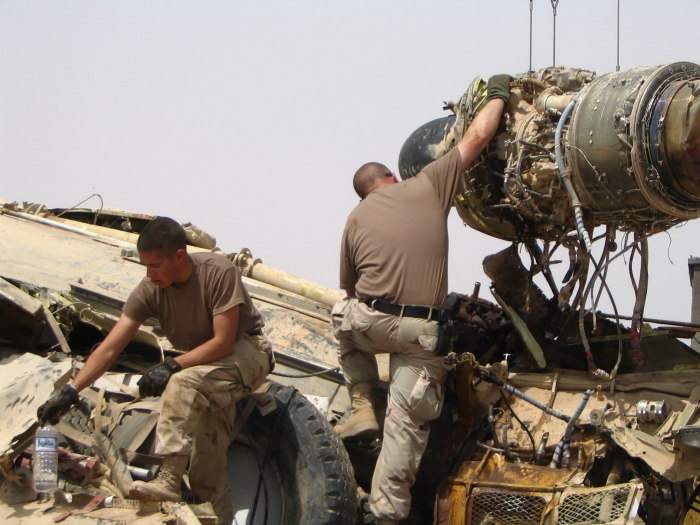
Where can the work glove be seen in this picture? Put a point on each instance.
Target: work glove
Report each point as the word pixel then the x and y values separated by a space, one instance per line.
pixel 58 405
pixel 154 381
pixel 498 86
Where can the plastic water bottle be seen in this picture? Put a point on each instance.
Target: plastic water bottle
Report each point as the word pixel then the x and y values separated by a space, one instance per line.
pixel 46 459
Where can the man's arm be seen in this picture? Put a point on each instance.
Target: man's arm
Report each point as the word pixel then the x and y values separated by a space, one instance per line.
pixel 108 351
pixel 350 292
pixel 481 131
pixel 219 346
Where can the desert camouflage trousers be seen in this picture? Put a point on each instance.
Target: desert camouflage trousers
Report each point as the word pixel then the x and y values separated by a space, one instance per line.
pixel 415 392
pixel 198 415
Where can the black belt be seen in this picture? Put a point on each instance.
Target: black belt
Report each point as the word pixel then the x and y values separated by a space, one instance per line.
pixel 419 312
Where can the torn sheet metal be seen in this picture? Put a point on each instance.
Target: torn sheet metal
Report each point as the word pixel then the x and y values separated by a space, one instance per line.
pixel 675 465
pixel 25 384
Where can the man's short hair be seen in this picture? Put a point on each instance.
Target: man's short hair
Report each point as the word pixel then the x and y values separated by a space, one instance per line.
pixel 366 175
pixel 162 235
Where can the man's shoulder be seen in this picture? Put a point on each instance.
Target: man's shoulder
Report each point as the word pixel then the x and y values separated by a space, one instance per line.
pixel 211 260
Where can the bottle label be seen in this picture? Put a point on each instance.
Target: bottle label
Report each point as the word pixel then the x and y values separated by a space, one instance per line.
pixel 46 444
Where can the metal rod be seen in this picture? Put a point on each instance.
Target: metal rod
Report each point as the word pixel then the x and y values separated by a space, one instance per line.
pixel 655 321
pixel 554 32
pixel 67 228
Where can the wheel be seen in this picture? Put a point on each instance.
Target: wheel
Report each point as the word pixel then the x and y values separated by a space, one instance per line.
pixel 308 476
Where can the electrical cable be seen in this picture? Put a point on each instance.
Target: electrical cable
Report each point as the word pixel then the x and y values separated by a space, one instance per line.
pixel 90 197
pixel 532 439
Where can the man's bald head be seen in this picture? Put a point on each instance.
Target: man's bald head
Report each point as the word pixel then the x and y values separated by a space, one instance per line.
pixel 370 177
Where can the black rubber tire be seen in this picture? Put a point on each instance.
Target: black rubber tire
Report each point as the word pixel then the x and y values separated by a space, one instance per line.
pixel 316 476
pixel 80 421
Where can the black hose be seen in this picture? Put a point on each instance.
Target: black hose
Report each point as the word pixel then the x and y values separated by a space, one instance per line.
pixel 504 440
pixel 532 439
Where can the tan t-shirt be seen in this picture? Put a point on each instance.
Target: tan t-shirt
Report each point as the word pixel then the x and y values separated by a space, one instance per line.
pixel 186 314
pixel 395 243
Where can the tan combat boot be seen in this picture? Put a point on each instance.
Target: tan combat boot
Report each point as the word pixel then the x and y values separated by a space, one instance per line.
pixel 362 423
pixel 166 486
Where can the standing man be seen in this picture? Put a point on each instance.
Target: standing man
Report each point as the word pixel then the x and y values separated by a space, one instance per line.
pixel 393 266
pixel 205 310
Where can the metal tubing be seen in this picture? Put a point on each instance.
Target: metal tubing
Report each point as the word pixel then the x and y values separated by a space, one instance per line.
pixel 66 227
pixel 566 177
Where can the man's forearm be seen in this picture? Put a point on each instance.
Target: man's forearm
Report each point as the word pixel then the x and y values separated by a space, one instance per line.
pixel 221 345
pixel 108 351
pixel 97 364
pixel 481 131
pixel 205 353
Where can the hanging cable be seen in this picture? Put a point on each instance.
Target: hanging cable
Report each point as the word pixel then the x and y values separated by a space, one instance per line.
pixel 555 3
pixel 592 367
pixel 530 70
pixel 642 245
pixel 617 68
pixel 613 372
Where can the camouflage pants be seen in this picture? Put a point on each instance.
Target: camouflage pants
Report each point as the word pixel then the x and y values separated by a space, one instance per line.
pixel 199 411
pixel 415 393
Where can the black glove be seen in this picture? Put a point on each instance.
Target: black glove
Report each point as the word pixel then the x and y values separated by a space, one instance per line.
pixel 58 405
pixel 499 87
pixel 154 381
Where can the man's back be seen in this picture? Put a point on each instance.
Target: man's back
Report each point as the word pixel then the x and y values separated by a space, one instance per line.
pixel 395 241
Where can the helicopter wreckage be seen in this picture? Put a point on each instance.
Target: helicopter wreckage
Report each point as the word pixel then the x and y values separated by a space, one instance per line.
pixel 553 412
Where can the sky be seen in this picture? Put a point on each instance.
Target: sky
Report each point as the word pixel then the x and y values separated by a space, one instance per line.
pixel 250 118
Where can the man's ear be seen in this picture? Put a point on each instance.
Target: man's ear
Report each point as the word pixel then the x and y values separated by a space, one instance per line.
pixel 180 254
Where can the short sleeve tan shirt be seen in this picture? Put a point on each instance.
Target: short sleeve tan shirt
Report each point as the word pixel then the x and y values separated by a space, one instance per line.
pixel 186 314
pixel 395 243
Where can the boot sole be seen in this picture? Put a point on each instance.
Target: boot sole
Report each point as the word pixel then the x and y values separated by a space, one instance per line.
pixel 367 430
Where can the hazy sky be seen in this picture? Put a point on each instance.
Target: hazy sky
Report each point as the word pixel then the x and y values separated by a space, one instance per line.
pixel 249 118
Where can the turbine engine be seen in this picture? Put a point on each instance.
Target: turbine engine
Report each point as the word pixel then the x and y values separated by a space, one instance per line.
pixel 575 151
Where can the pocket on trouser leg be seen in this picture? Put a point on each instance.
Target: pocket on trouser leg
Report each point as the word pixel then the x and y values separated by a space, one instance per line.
pixel 345 318
pixel 425 401
pixel 340 322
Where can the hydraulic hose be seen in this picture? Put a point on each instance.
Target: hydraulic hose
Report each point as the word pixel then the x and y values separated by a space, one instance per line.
pixel 564 175
pixel 563 445
pixel 536 403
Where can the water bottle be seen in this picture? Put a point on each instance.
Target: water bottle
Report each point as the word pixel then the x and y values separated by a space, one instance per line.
pixel 46 459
